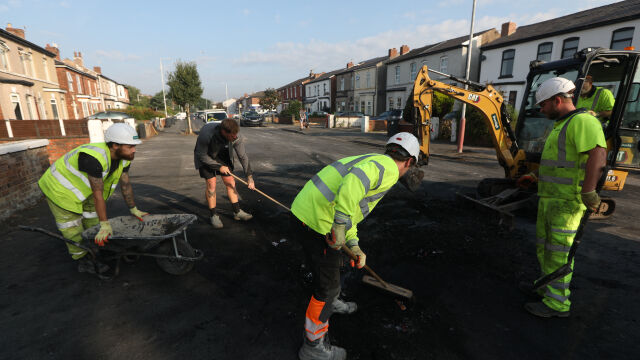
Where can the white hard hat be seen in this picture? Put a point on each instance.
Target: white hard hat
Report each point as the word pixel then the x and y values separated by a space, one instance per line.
pixel 121 133
pixel 552 87
pixel 408 142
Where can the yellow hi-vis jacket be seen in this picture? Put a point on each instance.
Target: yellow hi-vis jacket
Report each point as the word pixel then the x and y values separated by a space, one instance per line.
pixel 69 187
pixel 564 158
pixel 345 192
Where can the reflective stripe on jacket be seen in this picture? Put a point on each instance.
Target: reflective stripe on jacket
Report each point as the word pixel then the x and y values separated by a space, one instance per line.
pixel 69 187
pixel 345 192
pixel 562 166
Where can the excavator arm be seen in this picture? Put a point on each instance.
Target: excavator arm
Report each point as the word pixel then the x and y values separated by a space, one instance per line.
pixel 484 98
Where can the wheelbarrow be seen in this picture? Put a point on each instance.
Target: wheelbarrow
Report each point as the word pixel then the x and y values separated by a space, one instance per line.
pixel 163 237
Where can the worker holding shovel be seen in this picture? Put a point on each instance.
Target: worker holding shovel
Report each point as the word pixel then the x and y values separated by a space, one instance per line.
pixel 327 211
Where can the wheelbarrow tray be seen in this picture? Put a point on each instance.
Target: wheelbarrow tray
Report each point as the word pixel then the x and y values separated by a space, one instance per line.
pixel 131 233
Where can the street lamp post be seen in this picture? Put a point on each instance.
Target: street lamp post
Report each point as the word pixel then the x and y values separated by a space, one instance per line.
pixel 464 105
pixel 164 99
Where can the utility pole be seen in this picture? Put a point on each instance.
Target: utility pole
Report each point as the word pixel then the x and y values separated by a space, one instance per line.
pixel 164 99
pixel 464 105
pixel 226 92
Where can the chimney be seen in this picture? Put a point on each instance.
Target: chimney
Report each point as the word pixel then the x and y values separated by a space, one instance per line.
pixel 54 49
pixel 349 64
pixel 404 49
pixel 97 69
pixel 77 58
pixel 393 53
pixel 508 28
pixel 311 73
pixel 17 32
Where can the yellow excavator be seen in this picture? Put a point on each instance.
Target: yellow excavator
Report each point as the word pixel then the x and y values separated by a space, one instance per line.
pixel 519 150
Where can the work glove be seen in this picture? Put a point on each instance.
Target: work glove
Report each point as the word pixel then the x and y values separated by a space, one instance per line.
pixel 591 200
pixel 137 213
pixel 361 257
pixel 337 237
pixel 102 236
pixel 526 180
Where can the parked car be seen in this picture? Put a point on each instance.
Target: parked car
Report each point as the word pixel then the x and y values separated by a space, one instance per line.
pixel 112 115
pixel 216 115
pixel 319 113
pixel 181 115
pixel 251 118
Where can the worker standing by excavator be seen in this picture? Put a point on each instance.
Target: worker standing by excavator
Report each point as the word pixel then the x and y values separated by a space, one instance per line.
pixel 596 99
pixel 573 159
pixel 78 185
pixel 326 212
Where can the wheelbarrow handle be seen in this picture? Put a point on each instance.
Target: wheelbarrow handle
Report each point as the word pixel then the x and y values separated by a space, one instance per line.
pixel 58 236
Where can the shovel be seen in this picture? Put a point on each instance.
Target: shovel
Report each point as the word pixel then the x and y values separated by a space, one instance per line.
pixel 375 281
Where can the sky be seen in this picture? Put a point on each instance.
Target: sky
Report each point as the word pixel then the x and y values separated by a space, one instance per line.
pixel 248 46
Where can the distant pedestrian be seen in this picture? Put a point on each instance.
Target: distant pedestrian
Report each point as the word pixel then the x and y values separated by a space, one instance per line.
pixel 213 155
pixel 303 119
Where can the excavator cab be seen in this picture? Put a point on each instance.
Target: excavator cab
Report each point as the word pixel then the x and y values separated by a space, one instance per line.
pixel 602 77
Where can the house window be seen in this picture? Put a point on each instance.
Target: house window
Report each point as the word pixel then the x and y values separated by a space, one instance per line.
pixel 368 79
pixel 31 108
pixel 369 109
pixel 324 88
pixel 621 38
pixel 362 106
pixel 506 70
pixel 399 103
pixel 357 81
pixel 569 47
pixel 45 69
pixel 544 51
pixel 63 106
pixel 444 64
pixel 79 84
pixel 54 107
pixel 512 98
pixel 85 109
pixel 4 60
pixel 390 103
pixel 26 63
pixel 398 74
pixel 70 81
pixel 15 103
pixel 414 71
pixel 342 83
pixel 353 81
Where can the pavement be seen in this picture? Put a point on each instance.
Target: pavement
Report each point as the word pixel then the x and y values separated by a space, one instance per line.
pixel 246 298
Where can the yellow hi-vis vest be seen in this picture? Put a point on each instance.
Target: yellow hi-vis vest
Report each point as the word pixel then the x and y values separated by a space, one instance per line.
pixel 345 192
pixel 69 187
pixel 564 158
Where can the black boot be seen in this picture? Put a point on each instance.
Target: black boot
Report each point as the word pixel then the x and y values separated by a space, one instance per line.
pixel 321 349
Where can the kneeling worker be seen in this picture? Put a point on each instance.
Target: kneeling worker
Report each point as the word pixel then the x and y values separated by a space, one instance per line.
pixel 213 155
pixel 78 185
pixel 327 211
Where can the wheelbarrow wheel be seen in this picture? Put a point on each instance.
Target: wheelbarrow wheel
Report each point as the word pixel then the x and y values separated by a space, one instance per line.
pixel 171 265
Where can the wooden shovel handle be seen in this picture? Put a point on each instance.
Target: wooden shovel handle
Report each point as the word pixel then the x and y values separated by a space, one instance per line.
pixel 353 256
pixel 261 193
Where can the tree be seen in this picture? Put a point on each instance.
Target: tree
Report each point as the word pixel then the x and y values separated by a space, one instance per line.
pixel 134 94
pixel 270 100
pixel 185 87
pixel 157 101
pixel 219 105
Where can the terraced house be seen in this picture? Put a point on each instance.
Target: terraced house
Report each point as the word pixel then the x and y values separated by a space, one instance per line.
pixel 369 85
pixel 82 93
pixel 506 60
pixel 28 83
pixel 113 94
pixel 448 56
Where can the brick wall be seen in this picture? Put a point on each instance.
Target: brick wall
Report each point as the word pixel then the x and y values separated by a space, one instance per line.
pixel 60 146
pixel 377 125
pixel 20 171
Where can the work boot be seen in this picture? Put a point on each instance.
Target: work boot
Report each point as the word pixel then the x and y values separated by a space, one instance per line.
pixel 89 266
pixel 216 222
pixel 344 307
pixel 241 215
pixel 540 309
pixel 526 288
pixel 321 349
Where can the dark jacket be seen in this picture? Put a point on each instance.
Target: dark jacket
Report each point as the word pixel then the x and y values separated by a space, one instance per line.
pixel 210 146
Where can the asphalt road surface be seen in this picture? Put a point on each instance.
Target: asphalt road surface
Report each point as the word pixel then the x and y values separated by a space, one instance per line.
pixel 246 299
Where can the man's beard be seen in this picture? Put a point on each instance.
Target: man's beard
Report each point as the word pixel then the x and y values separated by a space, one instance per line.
pixel 121 155
pixel 553 115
